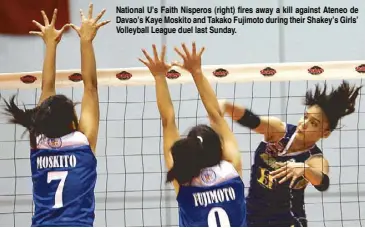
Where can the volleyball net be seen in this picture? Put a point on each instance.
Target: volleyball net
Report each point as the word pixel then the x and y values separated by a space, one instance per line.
pixel 131 189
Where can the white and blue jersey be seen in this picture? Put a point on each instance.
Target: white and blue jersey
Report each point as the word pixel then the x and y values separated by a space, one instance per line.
pixel 64 177
pixel 214 198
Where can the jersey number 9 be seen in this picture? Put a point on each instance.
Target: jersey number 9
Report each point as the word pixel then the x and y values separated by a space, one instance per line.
pixel 218 217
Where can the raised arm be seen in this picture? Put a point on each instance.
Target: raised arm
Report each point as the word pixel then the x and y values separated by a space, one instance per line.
pixel 315 170
pixel 159 68
pixel 51 38
pixel 89 119
pixel 271 127
pixel 192 63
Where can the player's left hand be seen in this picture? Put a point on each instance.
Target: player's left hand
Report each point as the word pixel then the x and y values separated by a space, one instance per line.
pixel 157 64
pixel 89 25
pixel 192 60
pixel 288 170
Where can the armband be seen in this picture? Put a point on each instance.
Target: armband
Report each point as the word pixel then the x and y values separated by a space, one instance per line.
pixel 325 183
pixel 250 120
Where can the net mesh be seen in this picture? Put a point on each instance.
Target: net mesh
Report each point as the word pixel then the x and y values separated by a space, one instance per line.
pixel 131 189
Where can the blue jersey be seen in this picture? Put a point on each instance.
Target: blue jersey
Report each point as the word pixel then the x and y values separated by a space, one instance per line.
pixel 215 198
pixel 64 177
pixel 268 202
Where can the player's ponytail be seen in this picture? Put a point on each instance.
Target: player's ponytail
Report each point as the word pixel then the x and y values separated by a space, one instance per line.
pixel 201 149
pixel 53 118
pixel 186 160
pixel 24 117
pixel 338 103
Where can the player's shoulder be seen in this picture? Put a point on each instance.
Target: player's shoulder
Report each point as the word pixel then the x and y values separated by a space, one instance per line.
pixel 74 139
pixel 216 174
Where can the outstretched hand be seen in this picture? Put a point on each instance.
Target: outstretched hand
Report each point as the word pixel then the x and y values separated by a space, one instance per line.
pixel 48 32
pixel 157 65
pixel 289 170
pixel 192 61
pixel 89 26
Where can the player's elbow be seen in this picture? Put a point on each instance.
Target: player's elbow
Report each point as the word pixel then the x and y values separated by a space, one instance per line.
pixel 168 120
pixel 48 87
pixel 91 87
pixel 90 94
pixel 91 84
pixel 324 184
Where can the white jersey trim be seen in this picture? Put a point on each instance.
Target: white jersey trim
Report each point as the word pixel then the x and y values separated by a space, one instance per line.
pixel 214 175
pixel 74 139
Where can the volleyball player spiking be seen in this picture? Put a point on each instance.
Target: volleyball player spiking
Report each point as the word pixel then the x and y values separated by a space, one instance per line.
pixel 63 163
pixel 288 157
pixel 205 167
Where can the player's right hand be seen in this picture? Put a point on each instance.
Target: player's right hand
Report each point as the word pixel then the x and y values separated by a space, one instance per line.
pixel 49 33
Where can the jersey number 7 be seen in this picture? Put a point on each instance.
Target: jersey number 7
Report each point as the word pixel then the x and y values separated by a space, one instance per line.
pixel 58 175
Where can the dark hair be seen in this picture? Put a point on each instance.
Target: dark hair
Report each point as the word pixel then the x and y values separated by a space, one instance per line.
pixel 202 148
pixel 53 118
pixel 337 104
